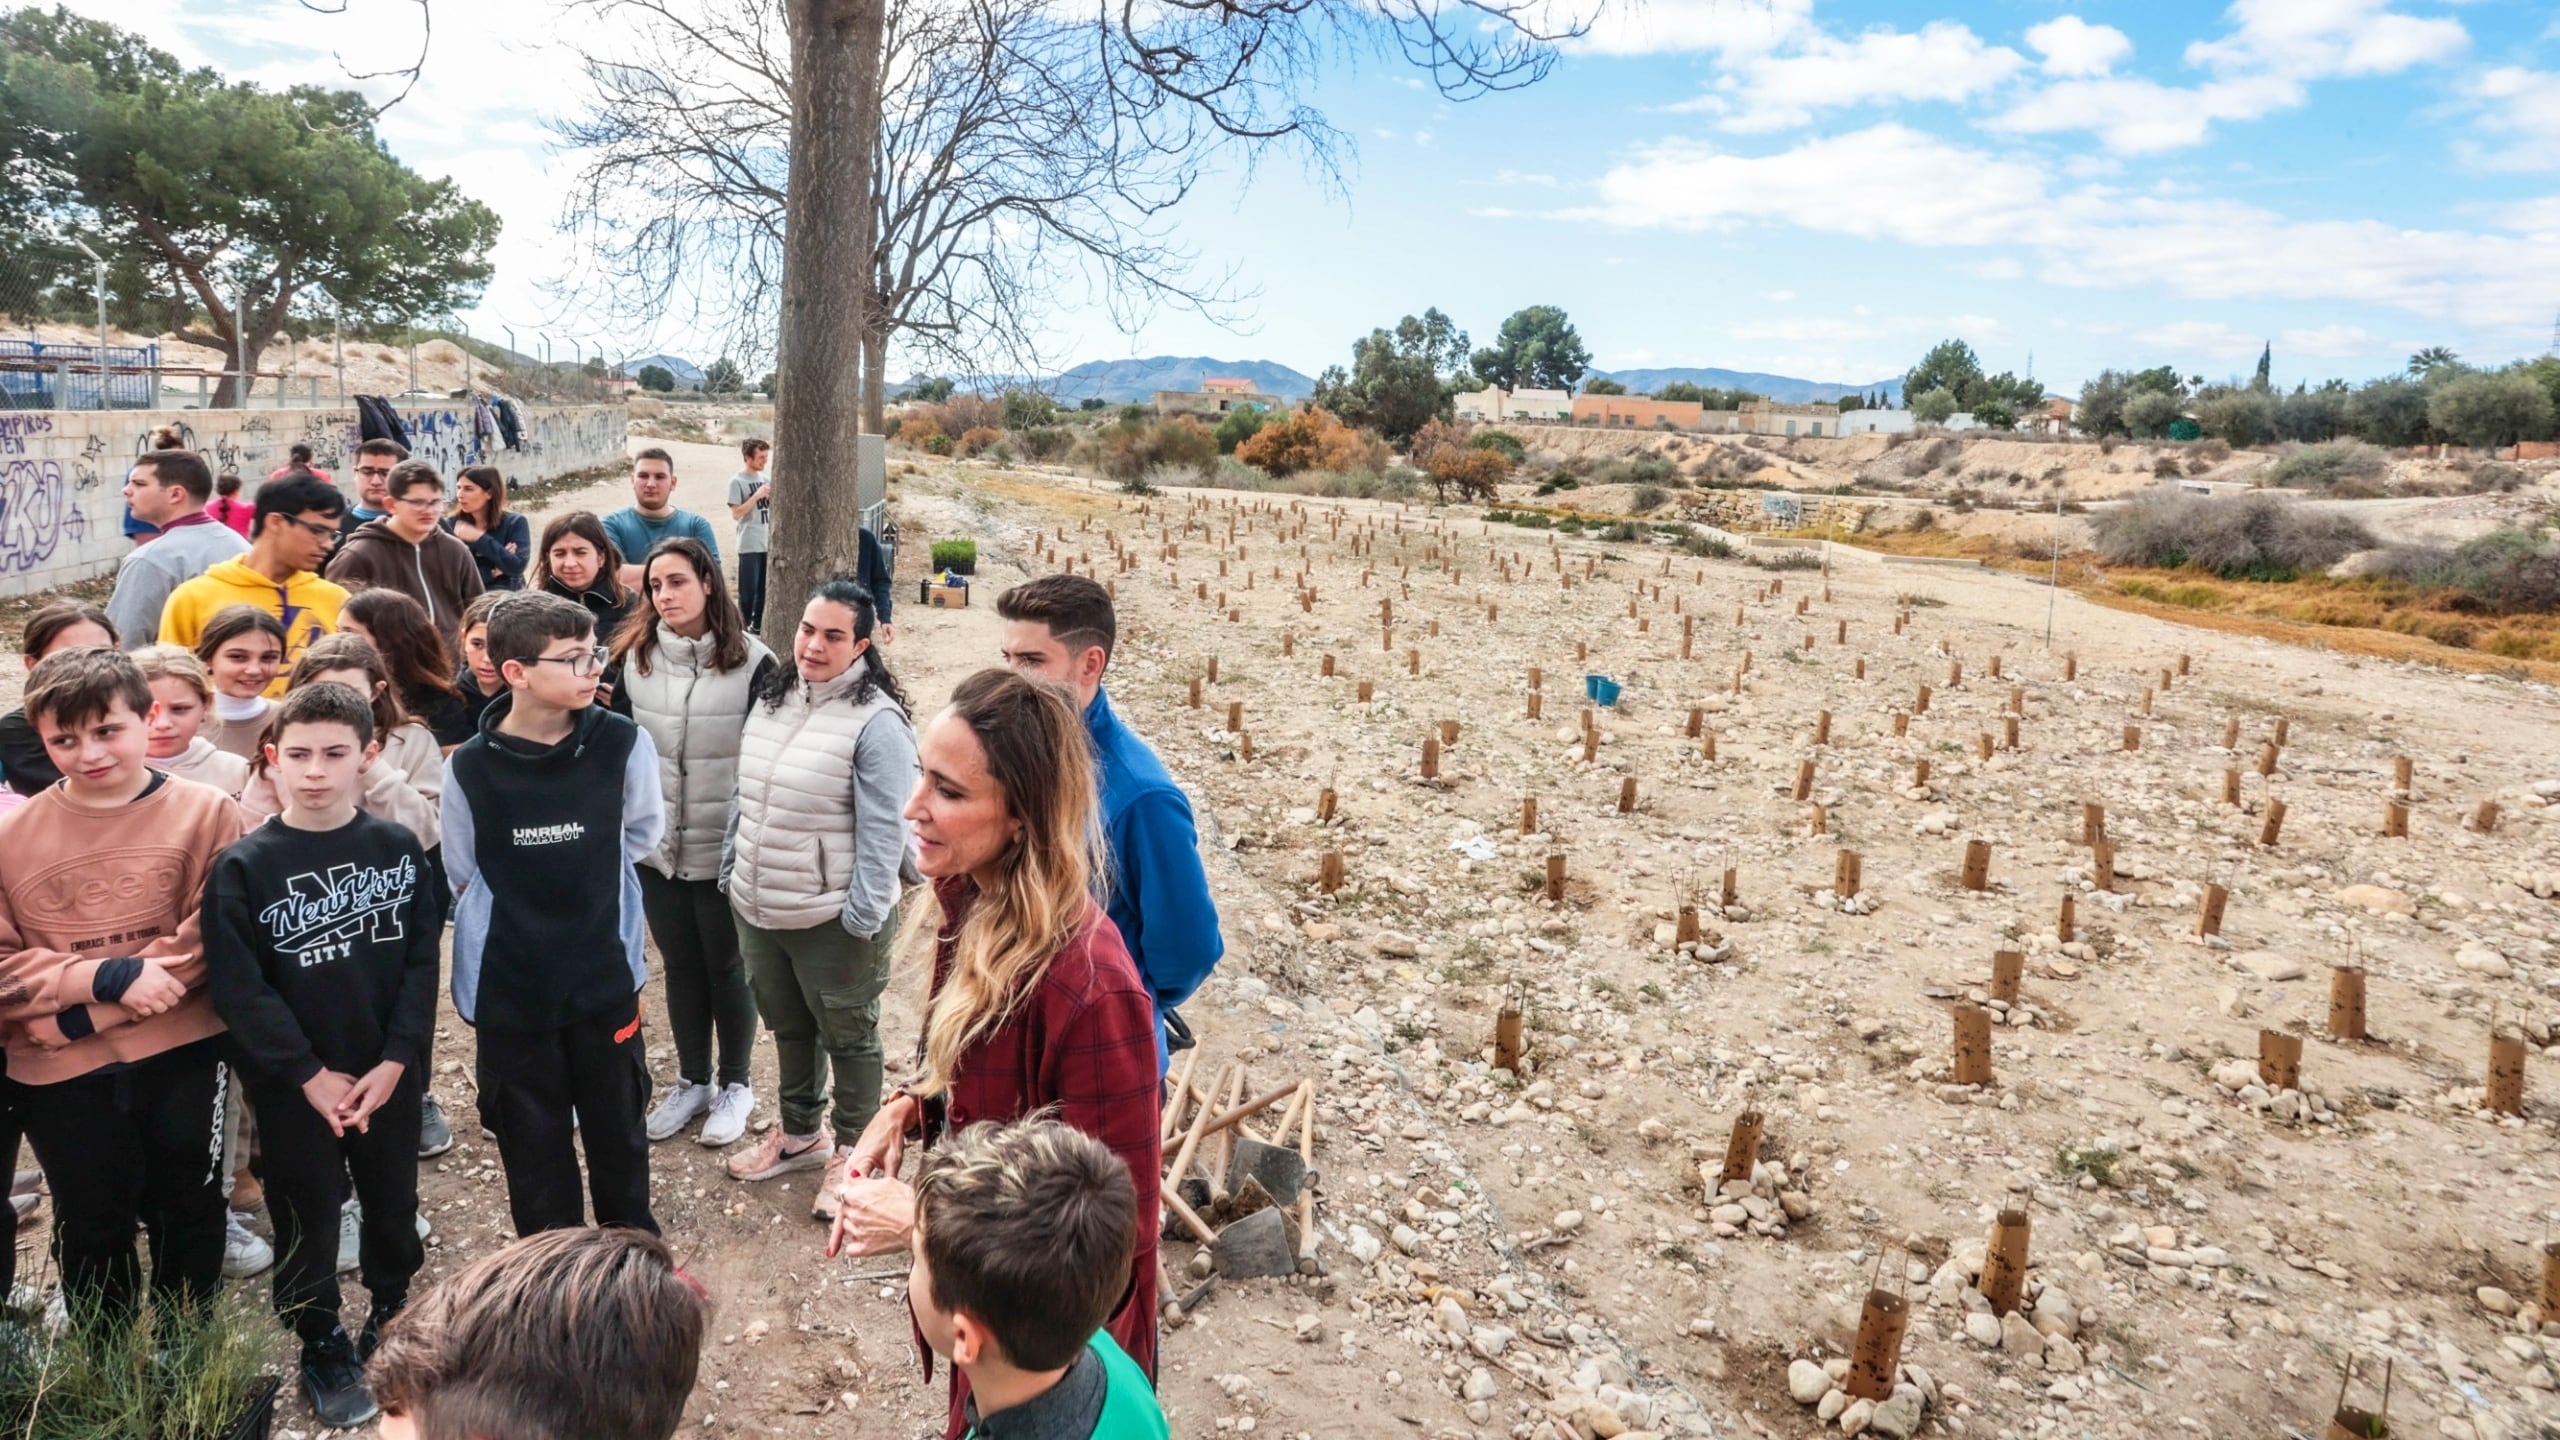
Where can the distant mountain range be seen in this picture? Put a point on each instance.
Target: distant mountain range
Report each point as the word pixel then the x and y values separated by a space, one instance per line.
pixel 1120 382
pixel 1786 389
pixel 688 375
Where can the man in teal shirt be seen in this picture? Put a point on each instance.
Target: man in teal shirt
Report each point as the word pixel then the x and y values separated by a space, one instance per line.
pixel 652 515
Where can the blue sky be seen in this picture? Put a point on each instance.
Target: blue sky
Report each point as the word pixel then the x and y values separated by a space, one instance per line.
pixel 1801 186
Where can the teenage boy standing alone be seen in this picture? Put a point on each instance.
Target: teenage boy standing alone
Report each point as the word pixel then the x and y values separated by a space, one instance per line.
pixel 112 1057
pixel 751 505
pixel 545 811
pixel 320 933
pixel 409 551
pixel 652 516
pixel 1060 628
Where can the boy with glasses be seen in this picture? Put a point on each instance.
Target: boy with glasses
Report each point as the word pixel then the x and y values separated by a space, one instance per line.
pixel 545 811
pixel 408 551
pixel 375 460
pixel 290 532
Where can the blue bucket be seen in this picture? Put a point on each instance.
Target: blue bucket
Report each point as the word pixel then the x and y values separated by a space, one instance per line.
pixel 1601 689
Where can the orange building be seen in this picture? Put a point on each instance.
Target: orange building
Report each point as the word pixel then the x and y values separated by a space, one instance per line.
pixel 1635 412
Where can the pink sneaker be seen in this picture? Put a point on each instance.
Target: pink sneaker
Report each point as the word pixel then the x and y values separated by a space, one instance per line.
pixel 824 1207
pixel 776 1154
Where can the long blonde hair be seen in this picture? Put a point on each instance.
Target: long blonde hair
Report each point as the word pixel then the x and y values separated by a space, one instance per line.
pixel 1046 882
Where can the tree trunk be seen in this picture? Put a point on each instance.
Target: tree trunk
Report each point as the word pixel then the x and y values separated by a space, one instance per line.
pixel 826 268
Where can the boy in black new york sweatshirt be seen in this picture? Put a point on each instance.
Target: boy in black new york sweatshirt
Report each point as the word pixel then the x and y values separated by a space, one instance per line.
pixel 321 933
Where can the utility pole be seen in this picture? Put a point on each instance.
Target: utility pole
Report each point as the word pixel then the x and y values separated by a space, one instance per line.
pixel 102 323
pixel 338 344
pixel 2053 587
pixel 240 343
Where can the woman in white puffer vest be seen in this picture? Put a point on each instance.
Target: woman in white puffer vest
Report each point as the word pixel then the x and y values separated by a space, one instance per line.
pixel 690 671
pixel 818 858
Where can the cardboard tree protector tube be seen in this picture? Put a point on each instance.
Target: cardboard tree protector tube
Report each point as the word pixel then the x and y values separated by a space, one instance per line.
pixel 1741 1149
pixel 1972 1045
pixel 1844 874
pixel 1876 1360
pixel 2346 1002
pixel 2280 1059
pixel 2008 969
pixel 2004 1262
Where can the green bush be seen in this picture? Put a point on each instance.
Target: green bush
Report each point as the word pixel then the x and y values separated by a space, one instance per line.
pixel 159 1378
pixel 1790 558
pixel 1647 497
pixel 1238 427
pixel 1708 547
pixel 1501 442
pixel 2257 536
pixel 2318 467
pixel 1045 442
pixel 961 555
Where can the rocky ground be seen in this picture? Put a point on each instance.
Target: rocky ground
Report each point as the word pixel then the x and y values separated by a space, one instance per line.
pixel 1553 1253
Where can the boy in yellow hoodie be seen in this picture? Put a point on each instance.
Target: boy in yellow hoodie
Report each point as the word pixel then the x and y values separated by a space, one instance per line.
pixel 290 533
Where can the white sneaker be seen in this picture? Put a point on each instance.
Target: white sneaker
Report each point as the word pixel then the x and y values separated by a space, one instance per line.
pixel 243 1253
pixel 730 1112
pixel 685 1103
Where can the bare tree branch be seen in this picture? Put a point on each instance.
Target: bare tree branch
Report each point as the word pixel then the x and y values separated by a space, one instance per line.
pixel 408 74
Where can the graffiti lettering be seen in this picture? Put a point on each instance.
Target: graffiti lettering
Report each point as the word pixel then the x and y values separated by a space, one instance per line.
pixel 14 430
pixel 33 514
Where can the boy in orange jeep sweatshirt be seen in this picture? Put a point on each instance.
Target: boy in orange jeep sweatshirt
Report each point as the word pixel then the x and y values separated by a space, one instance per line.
pixel 108 1025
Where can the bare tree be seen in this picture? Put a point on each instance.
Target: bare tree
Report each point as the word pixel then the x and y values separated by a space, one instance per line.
pixel 1175 77
pixel 1000 184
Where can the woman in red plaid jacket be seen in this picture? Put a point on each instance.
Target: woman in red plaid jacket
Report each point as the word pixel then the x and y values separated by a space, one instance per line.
pixel 1035 1004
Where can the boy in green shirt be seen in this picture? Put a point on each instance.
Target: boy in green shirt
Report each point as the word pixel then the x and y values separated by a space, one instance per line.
pixel 1021 1241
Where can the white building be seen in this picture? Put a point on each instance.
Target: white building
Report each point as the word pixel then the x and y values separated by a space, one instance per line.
pixel 1491 405
pixel 1877 422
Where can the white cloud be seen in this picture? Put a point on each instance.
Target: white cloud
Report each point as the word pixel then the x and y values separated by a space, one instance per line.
pixel 1522 177
pixel 2539 218
pixel 2073 46
pixel 2264 64
pixel 1657 27
pixel 2210 339
pixel 2521 109
pixel 1921 190
pixel 2327 342
pixel 1782 296
pixel 1942 61
pixel 2314 38
pixel 2134 116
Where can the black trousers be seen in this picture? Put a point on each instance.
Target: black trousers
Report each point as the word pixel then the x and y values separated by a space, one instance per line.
pixel 307 1177
pixel 11 1131
pixel 546 1091
pixel 141 1145
pixel 751 588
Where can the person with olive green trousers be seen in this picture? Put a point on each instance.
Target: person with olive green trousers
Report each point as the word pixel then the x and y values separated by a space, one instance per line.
pixel 817 858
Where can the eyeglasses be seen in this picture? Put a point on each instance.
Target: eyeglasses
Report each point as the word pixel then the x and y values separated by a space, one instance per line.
pixel 429 501
pixel 382 472
pixel 317 530
pixel 582 664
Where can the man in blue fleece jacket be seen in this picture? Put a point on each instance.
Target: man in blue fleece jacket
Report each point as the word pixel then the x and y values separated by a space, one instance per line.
pixel 1061 628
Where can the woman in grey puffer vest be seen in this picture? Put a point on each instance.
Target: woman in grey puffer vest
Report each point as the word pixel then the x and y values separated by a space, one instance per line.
pixel 819 856
pixel 690 671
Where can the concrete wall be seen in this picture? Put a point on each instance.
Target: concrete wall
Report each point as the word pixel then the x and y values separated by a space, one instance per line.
pixel 62 471
pixel 1877 422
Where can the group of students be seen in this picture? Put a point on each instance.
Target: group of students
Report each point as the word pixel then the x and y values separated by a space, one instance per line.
pixel 225 892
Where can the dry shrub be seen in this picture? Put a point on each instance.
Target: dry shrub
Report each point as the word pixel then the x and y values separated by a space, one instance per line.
pixel 2505 572
pixel 2327 464
pixel 1312 439
pixel 1131 450
pixel 2257 536
pixel 977 438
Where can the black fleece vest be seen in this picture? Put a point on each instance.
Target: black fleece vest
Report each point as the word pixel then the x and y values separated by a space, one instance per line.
pixel 547 830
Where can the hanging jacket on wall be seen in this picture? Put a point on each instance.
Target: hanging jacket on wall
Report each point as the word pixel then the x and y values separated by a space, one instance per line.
pixel 376 420
pixel 484 423
pixel 510 429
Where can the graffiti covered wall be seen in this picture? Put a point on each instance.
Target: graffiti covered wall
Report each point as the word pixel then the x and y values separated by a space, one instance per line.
pixel 62 471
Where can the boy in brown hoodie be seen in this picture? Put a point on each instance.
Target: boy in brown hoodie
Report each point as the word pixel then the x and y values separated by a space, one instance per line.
pixel 108 1025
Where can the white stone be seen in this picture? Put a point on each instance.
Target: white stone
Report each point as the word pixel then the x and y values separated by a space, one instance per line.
pixel 1807 1382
